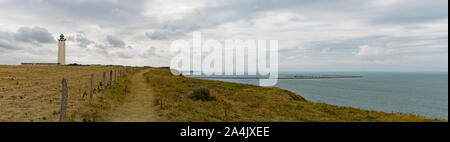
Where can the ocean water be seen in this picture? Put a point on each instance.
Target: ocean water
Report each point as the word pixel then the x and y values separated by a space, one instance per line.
pixel 424 94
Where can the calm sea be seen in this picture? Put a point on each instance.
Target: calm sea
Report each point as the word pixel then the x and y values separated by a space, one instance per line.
pixel 423 94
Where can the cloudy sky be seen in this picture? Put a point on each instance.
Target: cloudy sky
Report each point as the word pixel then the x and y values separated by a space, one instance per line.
pixel 314 35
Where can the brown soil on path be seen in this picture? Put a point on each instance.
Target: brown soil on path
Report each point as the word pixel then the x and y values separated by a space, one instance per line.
pixel 138 106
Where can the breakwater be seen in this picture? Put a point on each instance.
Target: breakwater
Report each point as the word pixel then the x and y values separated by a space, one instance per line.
pixel 284 78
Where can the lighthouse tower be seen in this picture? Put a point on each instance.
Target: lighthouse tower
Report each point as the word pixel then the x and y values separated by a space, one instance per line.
pixel 61 50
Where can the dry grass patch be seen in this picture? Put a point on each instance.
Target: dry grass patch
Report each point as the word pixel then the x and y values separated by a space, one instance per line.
pixel 33 93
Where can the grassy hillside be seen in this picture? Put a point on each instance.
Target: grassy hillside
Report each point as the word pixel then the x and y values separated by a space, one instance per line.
pixel 31 93
pixel 239 102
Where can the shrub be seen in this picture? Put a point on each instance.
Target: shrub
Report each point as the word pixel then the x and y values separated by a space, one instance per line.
pixel 203 94
pixel 156 102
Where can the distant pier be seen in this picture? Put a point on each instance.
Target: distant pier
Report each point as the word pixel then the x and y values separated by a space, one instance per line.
pixel 285 78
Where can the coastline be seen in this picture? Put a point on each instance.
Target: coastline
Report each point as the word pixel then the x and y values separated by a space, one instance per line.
pixel 385 92
pixel 170 100
pixel 249 100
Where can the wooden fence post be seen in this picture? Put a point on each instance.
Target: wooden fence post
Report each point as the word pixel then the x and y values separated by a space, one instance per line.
pixel 126 90
pixel 91 89
pixel 64 96
pixel 110 78
pixel 103 82
pixel 115 75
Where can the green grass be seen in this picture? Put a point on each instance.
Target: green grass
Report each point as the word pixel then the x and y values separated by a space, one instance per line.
pixel 248 103
pixel 32 93
pixel 99 109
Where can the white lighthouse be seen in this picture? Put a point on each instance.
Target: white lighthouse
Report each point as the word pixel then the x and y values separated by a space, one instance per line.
pixel 61 50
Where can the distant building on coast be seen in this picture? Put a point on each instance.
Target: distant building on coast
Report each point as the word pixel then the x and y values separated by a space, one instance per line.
pixel 39 64
pixel 61 55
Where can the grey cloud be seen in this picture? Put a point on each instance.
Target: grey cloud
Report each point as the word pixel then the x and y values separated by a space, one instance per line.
pixel 115 42
pixel 234 10
pixel 119 20
pixel 156 36
pixel 83 41
pixel 25 35
pixel 415 11
pixel 7 46
pixel 89 10
pixel 154 52
pixel 401 13
pixel 163 35
pixel 150 52
pixel 388 47
pixel 34 34
pixel 4 35
pixel 124 55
